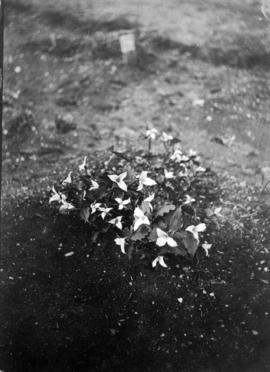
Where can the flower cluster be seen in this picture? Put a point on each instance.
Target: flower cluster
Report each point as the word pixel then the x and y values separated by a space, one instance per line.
pixel 132 205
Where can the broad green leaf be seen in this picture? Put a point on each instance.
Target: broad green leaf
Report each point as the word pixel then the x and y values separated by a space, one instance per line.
pixel 84 214
pixel 166 208
pixel 141 233
pixel 145 207
pixel 190 243
pixel 176 220
pixel 177 251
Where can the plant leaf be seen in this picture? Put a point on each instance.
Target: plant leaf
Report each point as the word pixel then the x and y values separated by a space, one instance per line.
pixel 190 243
pixel 164 210
pixel 141 233
pixel 177 251
pixel 84 214
pixel 176 220
pixel 146 208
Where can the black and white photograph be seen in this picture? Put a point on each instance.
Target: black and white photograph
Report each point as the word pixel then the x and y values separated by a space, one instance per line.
pixel 135 186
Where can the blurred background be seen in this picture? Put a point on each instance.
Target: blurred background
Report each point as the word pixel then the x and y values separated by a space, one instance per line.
pixel 200 69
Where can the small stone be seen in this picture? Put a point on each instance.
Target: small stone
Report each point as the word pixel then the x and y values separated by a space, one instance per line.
pixel 65 123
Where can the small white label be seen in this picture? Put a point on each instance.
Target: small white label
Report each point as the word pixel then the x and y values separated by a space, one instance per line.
pixel 127 43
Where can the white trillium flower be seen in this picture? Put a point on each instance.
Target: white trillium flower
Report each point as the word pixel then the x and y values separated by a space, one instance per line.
pixel 166 137
pixel 145 181
pixel 83 166
pixel 55 197
pixel 66 206
pixel 177 156
pixel 94 186
pixel 119 180
pixel 200 169
pixel 217 211
pixel 189 200
pixel 192 153
pixel 68 179
pixel 94 207
pixel 206 246
pixel 151 133
pixel 194 230
pixel 160 260
pixel 121 242
pixel 140 218
pixel 104 211
pixel 168 175
pixel 122 203
pixel 163 239
pixel 117 222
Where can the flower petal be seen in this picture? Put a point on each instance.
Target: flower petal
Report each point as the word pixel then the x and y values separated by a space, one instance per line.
pixel 161 242
pixel 171 242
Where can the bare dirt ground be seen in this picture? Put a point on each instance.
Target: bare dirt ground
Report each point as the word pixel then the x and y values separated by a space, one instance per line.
pixel 202 71
pixel 69 61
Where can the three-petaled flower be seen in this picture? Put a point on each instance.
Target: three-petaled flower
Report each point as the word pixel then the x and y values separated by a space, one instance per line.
pixel 119 180
pixel 166 137
pixel 117 221
pixel 151 133
pixel 66 206
pixel 144 180
pixel 168 175
pixel 94 186
pixel 121 242
pixel 140 218
pixel 104 211
pixel 95 207
pixel 189 200
pixel 83 166
pixel 68 179
pixel 160 260
pixel 163 239
pixel 55 197
pixel 194 230
pixel 122 203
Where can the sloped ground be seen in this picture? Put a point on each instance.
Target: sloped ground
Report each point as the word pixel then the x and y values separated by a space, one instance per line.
pixel 69 62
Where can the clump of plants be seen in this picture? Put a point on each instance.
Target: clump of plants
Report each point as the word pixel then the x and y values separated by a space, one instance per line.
pixel 145 203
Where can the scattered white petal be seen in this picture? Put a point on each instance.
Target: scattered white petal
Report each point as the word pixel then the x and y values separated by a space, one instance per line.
pixel 180 300
pixel 69 254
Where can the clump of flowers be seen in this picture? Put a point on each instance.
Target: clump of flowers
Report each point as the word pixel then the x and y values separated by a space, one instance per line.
pixel 140 201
